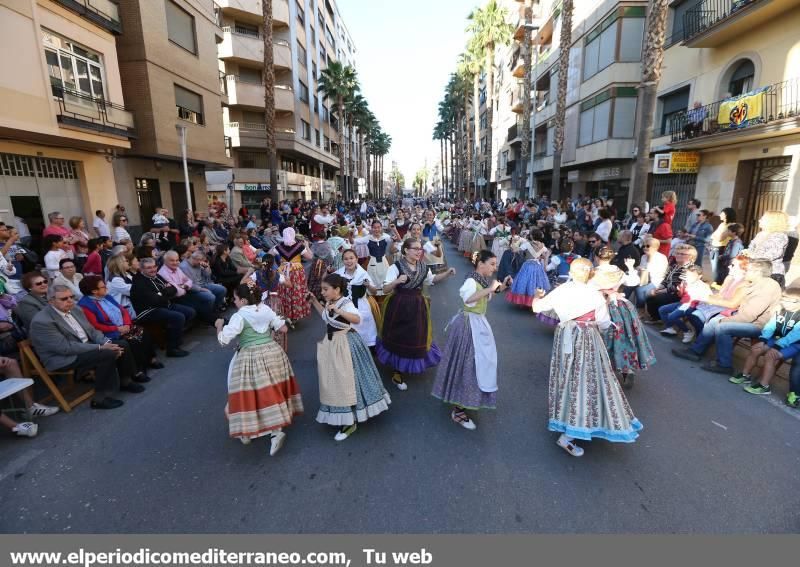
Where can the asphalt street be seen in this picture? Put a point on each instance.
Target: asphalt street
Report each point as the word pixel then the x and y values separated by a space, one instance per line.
pixel 711 458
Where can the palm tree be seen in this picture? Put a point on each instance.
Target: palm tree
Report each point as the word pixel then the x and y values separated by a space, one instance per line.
pixel 354 106
pixel 337 82
pixel 268 79
pixel 527 61
pixel 491 30
pixel 652 57
pixel 561 98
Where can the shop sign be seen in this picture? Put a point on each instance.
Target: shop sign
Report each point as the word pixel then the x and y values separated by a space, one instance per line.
pixel 609 172
pixel 572 176
pixel 252 187
pixel 676 162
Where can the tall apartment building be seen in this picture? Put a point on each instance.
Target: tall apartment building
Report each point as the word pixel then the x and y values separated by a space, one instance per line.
pixel 739 61
pixel 168 60
pixel 307 35
pixel 62 118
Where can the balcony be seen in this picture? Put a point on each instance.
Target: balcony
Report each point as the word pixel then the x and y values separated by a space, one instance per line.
pixel 83 111
pixel 510 167
pixel 254 134
pixel 250 94
pixel 712 23
pixel 250 10
pixel 104 13
pixel 766 112
pixel 241 45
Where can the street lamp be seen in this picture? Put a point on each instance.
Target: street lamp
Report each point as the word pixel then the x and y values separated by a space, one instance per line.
pixel 182 137
pixel 533 29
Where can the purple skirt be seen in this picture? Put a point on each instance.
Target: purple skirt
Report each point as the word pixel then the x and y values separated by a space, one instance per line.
pixel 405 342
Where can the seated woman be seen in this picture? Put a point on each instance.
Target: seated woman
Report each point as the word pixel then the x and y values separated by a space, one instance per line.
pixel 225 271
pixel 110 318
pixel 725 302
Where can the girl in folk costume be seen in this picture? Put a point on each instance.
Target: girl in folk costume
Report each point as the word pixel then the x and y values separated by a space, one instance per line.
pixel 401 224
pixel 430 250
pixel 263 396
pixel 338 245
pixel 269 280
pixel 359 283
pixel 585 399
pixel 380 247
pixel 350 387
pixel 466 235
pixel 532 275
pixel 478 241
pixel 431 237
pixel 406 336
pixel 361 249
pixel 512 259
pixel 320 267
pixel 558 267
pixel 467 376
pixel 501 234
pixel 293 294
pixel 626 340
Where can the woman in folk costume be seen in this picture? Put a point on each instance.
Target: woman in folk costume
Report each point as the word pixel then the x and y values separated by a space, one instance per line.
pixel 626 340
pixel 512 259
pixel 263 395
pixel 501 234
pixel 431 237
pixel 467 375
pixel 269 280
pixel 466 236
pixel 585 399
pixel 338 245
pixel 531 276
pixel 380 247
pixel 406 335
pixel 362 250
pixel 359 283
pixel 321 264
pixel 293 295
pixel 350 387
pixel 478 241
pixel 431 251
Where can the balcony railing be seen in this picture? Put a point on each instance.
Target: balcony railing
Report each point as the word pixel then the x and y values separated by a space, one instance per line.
pixel 709 13
pixel 238 30
pixel 85 111
pixel 223 84
pixel 759 107
pixel 102 12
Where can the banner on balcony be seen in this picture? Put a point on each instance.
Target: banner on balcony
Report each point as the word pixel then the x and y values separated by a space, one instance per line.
pixel 742 111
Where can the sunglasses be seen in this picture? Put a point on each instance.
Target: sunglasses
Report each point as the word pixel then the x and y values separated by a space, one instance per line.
pixel 42 282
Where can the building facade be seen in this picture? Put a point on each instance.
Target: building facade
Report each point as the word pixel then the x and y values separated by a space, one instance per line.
pixel 63 120
pixel 307 35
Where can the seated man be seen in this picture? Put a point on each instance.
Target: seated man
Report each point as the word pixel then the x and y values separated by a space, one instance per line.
pixel 10 369
pixel 197 269
pixel 201 300
pixel 761 298
pixel 667 292
pixel 64 340
pixel 152 299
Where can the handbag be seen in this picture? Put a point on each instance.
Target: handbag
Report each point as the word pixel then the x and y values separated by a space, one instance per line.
pixel 136 334
pixel 644 277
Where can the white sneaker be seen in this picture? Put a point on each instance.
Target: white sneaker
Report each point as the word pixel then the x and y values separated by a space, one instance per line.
pixel 568 444
pixel 463 420
pixel 345 432
pixel 397 380
pixel 26 429
pixel 245 440
pixel 276 443
pixel 39 410
pixel 688 337
pixel 669 331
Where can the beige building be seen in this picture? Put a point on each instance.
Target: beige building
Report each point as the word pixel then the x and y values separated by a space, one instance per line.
pixel 168 60
pixel 748 147
pixel 307 34
pixel 62 118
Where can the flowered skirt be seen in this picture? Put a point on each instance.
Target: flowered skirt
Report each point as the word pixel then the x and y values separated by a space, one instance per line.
pixel 628 346
pixel 274 303
pixel 530 278
pixel 318 271
pixel 456 376
pixel 465 239
pixel 371 398
pixel 510 264
pixel 585 399
pixel 293 293
pixel 406 334
pixel 263 394
pixel 476 244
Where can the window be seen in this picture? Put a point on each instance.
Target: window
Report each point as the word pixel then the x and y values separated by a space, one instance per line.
pixel 180 27
pixel 323 57
pixel 676 32
pixel 483 120
pixel 247 29
pixel 672 104
pixel 329 37
pixel 250 75
pixel 301 14
pixel 504 160
pixel 315 106
pixel 305 130
pixel 610 114
pixel 189 105
pixel 301 54
pixel 742 78
pixel 327 146
pixel 72 68
pixel 251 117
pixel 254 160
pixel 325 113
pixel 303 92
pixel 314 69
pixel 601 49
pixel 319 140
pixel 313 36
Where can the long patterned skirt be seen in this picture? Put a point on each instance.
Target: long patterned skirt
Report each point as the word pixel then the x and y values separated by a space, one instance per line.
pixel 465 240
pixel 476 244
pixel 406 335
pixel 293 293
pixel 318 271
pixel 263 394
pixel 457 375
pixel 510 264
pixel 585 399
pixel 371 398
pixel 530 278
pixel 628 346
pixel 274 303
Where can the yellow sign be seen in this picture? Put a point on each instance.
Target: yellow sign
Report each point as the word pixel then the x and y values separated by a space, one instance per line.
pixel 684 162
pixel 742 111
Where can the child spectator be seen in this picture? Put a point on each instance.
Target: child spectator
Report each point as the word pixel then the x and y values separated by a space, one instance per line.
pixel 692 291
pixel 779 340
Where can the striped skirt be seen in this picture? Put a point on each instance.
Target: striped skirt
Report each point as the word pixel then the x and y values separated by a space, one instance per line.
pixel 263 394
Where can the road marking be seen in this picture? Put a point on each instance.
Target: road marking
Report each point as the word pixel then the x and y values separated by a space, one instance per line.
pixel 719 425
pixel 781 406
pixel 19 463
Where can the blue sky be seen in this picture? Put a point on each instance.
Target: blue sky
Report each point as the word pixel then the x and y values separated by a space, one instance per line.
pixel 406 52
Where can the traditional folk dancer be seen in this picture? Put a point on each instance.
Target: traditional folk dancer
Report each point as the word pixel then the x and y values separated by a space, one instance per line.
pixel 380 247
pixel 293 294
pixel 558 267
pixel 466 236
pixel 269 280
pixel 501 234
pixel 406 335
pixel 585 399
pixel 478 241
pixel 532 275
pixel 362 250
pixel 321 264
pixel 626 340
pixel 350 387
pixel 263 395
pixel 432 240
pixel 467 376
pixel 359 283
pixel 512 259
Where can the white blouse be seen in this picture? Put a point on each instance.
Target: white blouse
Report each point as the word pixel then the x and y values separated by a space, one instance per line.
pixel 393 273
pixel 468 289
pixel 572 300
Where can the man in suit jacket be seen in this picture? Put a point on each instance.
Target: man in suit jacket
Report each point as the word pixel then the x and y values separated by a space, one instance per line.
pixel 64 340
